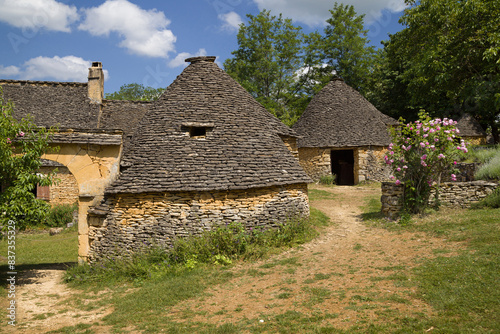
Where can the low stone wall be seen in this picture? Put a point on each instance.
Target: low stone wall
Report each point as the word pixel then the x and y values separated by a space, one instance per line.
pixel 136 220
pixel 454 194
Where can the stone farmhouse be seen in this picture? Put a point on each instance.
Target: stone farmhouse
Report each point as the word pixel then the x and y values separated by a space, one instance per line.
pixel 341 133
pixel 205 153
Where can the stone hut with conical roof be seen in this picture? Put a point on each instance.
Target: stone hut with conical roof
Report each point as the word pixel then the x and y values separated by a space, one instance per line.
pixel 341 133
pixel 205 153
pixel 471 131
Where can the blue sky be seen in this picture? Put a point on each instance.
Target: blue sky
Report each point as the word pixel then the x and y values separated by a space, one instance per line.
pixel 147 41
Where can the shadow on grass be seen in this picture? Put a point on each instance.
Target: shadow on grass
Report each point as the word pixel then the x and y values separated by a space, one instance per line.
pixel 28 273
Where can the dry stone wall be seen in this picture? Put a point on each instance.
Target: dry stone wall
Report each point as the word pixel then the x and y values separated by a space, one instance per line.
pixel 454 194
pixel 137 220
pixel 315 162
pixel 65 188
pixel 368 163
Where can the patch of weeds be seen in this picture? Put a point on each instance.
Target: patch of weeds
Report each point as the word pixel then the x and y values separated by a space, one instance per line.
pixel 357 246
pixel 290 280
pixel 293 261
pixel 316 195
pixel 43 316
pixel 397 299
pixel 317 295
pixel 390 268
pixel 80 329
pixel 361 298
pixel 256 273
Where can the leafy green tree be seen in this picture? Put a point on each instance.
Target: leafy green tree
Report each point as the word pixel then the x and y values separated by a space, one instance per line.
pixel 448 58
pixel 344 48
pixel 136 92
pixel 22 144
pixel 269 54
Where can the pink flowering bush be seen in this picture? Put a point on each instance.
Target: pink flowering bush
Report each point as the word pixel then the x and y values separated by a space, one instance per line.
pixel 421 152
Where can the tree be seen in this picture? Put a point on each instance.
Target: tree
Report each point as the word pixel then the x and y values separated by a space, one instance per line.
pixel 344 48
pixel 269 54
pixel 136 92
pixel 448 58
pixel 21 146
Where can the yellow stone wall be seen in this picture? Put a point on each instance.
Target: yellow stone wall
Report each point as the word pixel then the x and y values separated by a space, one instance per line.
pixel 136 220
pixel 315 161
pixel 475 140
pixel 65 188
pixel 368 162
pixel 291 144
pixel 94 167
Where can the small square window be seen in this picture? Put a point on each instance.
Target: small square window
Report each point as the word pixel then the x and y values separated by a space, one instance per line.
pixel 196 131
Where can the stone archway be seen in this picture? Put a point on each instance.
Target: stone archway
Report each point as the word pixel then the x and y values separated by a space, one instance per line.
pixel 94 165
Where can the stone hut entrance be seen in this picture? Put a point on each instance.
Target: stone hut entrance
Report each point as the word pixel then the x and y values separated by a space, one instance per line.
pixel 342 162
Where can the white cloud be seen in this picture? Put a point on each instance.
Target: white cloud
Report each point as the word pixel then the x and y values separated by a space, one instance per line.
pixel 69 68
pixel 231 21
pixel 143 31
pixel 179 60
pixel 314 13
pixel 36 14
pixel 9 71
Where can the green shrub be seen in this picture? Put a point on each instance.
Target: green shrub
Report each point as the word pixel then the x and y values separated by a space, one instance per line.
pixel 491 201
pixel 327 179
pixel 490 170
pixel 61 215
pixel 219 246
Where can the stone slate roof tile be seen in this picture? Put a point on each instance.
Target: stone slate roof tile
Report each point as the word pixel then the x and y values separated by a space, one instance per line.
pixel 470 127
pixel 339 116
pixel 242 148
pixel 52 103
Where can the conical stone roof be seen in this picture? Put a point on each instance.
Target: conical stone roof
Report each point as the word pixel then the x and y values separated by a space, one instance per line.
pixel 241 147
pixel 470 127
pixel 339 116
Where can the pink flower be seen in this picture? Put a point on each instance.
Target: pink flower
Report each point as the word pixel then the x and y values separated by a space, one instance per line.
pixel 424 157
pixel 405 167
pixel 398 169
pixel 392 177
pixel 21 134
pixel 436 139
pixel 422 162
pixel 457 130
pixel 441 156
pixel 391 152
pixel 454 162
pixel 453 177
pixel 426 135
pixel 398 182
pixel 449 138
pixel 422 144
pixel 9 141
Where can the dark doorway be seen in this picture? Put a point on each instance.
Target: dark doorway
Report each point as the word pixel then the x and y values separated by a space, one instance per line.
pixel 343 166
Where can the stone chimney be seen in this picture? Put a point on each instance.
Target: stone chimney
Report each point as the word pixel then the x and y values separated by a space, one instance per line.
pixel 193 60
pixel 96 83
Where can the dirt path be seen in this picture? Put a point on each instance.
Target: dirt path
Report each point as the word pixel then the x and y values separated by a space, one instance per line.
pixel 350 274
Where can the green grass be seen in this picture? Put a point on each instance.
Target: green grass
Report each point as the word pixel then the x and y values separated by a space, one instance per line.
pixel 317 194
pixel 464 289
pixel 42 248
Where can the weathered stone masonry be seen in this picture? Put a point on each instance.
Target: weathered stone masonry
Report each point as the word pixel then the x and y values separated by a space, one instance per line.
pixel 454 194
pixel 136 220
